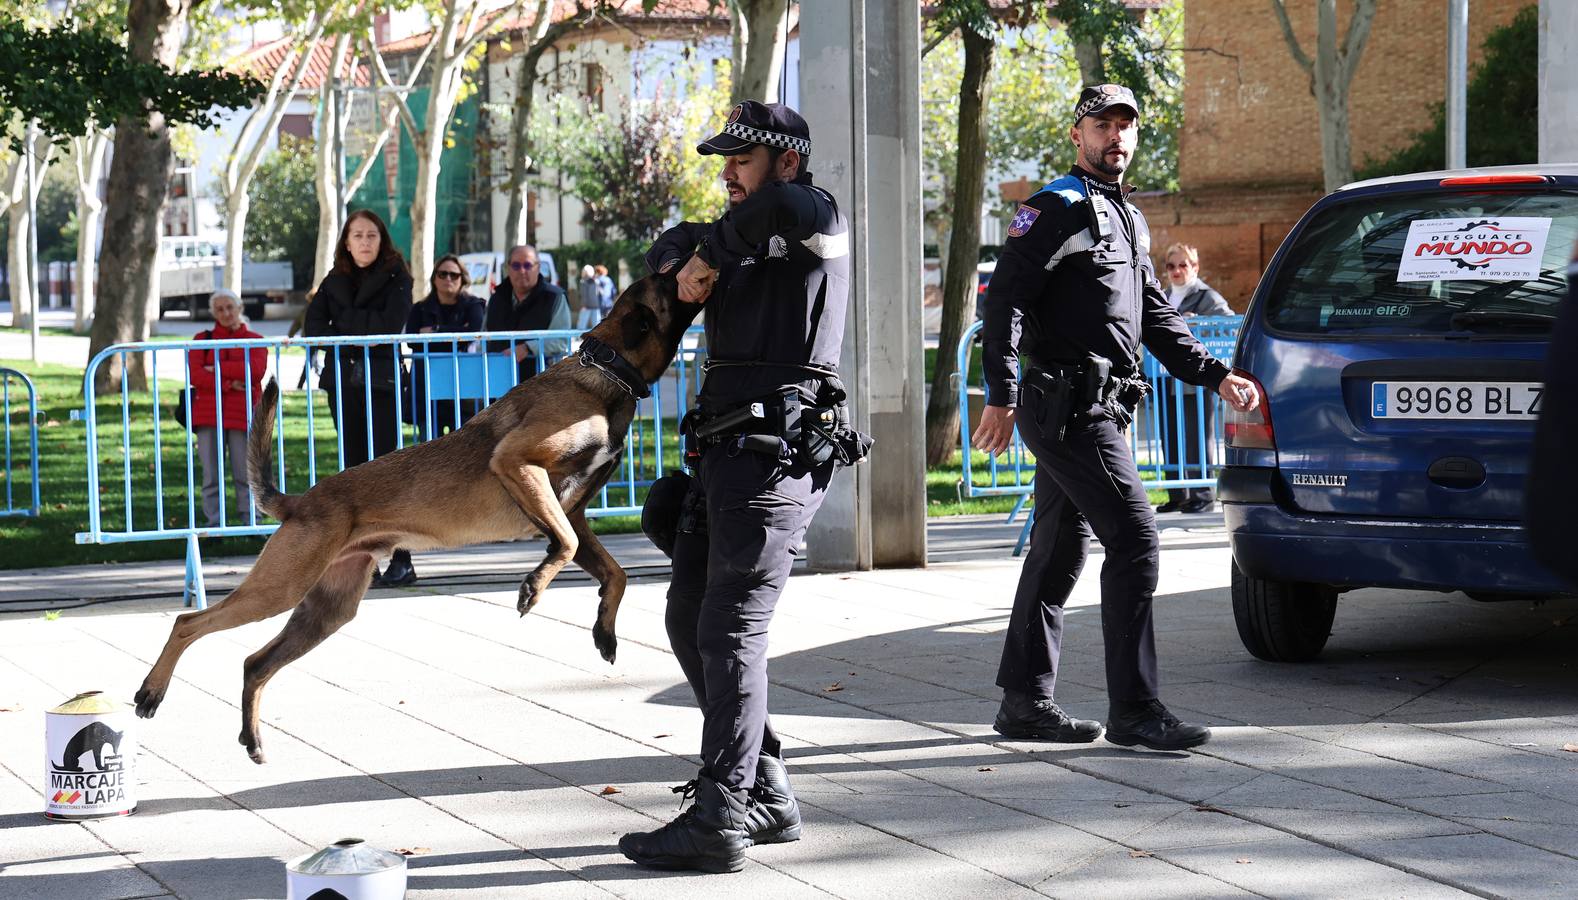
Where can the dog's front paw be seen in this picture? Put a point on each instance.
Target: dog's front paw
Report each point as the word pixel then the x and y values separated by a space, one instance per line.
pixel 528 597
pixel 253 744
pixel 148 701
pixel 607 643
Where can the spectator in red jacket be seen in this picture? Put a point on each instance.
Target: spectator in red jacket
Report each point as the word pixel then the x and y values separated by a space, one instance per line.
pixel 223 374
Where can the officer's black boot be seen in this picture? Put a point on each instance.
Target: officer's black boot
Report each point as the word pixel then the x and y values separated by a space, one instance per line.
pixel 1147 723
pixel 710 836
pixel 399 572
pixel 1028 718
pixel 774 815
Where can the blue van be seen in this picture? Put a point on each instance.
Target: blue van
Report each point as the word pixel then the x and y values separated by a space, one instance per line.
pixel 1398 339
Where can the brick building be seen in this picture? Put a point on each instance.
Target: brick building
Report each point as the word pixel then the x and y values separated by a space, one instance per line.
pixel 1249 151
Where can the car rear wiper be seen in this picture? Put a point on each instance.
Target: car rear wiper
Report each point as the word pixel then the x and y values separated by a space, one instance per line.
pixel 1469 320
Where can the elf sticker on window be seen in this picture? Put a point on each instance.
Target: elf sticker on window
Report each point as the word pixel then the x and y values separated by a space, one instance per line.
pixel 1493 248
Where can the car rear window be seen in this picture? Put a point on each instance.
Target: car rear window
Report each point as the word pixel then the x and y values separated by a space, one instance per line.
pixel 1444 262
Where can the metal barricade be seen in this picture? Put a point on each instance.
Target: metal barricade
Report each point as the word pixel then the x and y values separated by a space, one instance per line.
pixel 440 382
pixel 1175 438
pixel 13 381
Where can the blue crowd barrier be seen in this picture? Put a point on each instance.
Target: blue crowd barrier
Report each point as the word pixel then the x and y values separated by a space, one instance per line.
pixel 441 380
pixel 1185 461
pixel 12 380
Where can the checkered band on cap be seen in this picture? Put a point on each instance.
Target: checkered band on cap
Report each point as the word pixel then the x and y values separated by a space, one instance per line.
pixel 770 138
pixel 1084 109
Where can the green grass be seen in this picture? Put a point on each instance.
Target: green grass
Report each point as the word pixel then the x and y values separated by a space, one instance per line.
pixel 49 540
pixel 53 331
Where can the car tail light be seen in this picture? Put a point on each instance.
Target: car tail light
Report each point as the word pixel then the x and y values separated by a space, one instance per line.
pixel 1250 430
pixel 1494 179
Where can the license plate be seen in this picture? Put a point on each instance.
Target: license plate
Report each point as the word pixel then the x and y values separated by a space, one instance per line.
pixel 1455 400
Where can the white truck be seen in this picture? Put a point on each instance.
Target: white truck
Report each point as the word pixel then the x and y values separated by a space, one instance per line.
pixel 191 269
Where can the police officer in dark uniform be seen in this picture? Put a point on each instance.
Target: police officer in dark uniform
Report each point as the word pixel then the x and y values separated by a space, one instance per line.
pixel 774 273
pixel 1075 295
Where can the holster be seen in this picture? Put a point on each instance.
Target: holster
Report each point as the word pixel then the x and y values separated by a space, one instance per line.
pixel 789 424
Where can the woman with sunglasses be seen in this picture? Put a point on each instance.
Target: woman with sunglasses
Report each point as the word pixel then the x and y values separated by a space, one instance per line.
pixel 1191 297
pixel 447 309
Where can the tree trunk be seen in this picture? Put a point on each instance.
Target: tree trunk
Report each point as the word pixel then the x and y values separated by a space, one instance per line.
pixel 247 153
pixel 964 245
pixel 139 180
pixel 23 280
pixel 327 169
pixel 757 27
pixel 430 147
pixel 1092 68
pixel 90 209
pixel 517 224
pixel 237 206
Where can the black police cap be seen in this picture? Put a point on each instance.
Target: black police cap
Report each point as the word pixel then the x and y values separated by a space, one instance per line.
pixel 768 124
pixel 1098 98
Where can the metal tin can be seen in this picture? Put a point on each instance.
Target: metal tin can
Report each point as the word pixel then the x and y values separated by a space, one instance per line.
pixel 90 758
pixel 349 869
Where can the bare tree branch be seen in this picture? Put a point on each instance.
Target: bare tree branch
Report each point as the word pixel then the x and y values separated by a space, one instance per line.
pixel 931 45
pixel 1299 56
pixel 1358 33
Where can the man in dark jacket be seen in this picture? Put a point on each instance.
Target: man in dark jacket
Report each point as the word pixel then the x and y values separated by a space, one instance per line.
pixel 1074 292
pixel 1190 297
pixel 774 272
pixel 528 302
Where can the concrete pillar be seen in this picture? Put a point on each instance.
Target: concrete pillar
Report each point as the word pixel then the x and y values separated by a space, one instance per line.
pixel 860 93
pixel 1558 81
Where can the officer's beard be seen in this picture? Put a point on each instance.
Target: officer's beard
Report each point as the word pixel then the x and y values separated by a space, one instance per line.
pixel 1096 161
pixel 731 186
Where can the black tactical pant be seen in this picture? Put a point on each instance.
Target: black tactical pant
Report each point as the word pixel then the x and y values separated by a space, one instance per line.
pixel 725 585
pixel 1085 483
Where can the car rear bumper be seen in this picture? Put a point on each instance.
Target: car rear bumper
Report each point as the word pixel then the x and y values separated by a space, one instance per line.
pixel 1270 541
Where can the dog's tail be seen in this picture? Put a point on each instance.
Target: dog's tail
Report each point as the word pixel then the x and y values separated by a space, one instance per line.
pixel 260 457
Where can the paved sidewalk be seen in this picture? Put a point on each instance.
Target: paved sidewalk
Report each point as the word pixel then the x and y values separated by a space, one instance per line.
pixel 1422 756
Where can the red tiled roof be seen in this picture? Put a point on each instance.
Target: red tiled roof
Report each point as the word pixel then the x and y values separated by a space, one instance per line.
pixel 630 10
pixel 261 61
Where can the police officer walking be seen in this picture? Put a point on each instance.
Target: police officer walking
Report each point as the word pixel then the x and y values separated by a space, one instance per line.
pixel 774 273
pixel 1075 295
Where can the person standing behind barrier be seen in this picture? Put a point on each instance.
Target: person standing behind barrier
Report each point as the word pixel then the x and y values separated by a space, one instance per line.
pixel 528 302
pixel 447 309
pixel 1190 297
pixel 589 298
pixel 606 291
pixel 368 292
pixel 1074 293
pixel 223 374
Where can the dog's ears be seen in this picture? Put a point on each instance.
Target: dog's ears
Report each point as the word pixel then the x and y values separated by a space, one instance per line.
pixel 637 325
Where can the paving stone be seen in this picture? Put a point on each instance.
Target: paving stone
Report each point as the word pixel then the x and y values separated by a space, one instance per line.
pixel 1486 863
pixel 1293 868
pixel 1122 875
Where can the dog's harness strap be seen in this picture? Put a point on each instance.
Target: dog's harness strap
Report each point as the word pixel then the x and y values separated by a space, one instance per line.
pixel 616 368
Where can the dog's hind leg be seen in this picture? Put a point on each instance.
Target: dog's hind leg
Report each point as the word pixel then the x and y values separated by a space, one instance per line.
pixel 331 603
pixel 600 564
pixel 289 565
pixel 530 486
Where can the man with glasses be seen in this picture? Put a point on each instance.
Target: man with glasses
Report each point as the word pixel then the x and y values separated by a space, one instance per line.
pixel 528 302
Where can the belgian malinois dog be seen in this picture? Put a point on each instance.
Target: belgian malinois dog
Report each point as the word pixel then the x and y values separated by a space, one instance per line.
pixel 527 463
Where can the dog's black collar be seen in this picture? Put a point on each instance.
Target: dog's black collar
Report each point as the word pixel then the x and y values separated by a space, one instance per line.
pixel 607 360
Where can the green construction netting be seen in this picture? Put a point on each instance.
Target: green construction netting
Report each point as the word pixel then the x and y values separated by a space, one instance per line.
pixel 454 178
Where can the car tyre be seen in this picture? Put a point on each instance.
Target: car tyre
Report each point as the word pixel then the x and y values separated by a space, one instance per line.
pixel 1282 621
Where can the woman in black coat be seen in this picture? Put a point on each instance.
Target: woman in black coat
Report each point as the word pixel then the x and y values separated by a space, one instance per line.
pixel 368 292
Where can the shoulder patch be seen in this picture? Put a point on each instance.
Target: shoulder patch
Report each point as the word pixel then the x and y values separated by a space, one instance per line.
pixel 1024 217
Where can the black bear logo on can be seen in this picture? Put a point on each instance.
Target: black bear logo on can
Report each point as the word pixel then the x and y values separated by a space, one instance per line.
pixel 92 739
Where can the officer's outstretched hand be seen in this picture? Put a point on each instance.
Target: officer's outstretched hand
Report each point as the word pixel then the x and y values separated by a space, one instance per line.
pixel 1239 392
pixel 696 280
pixel 995 431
